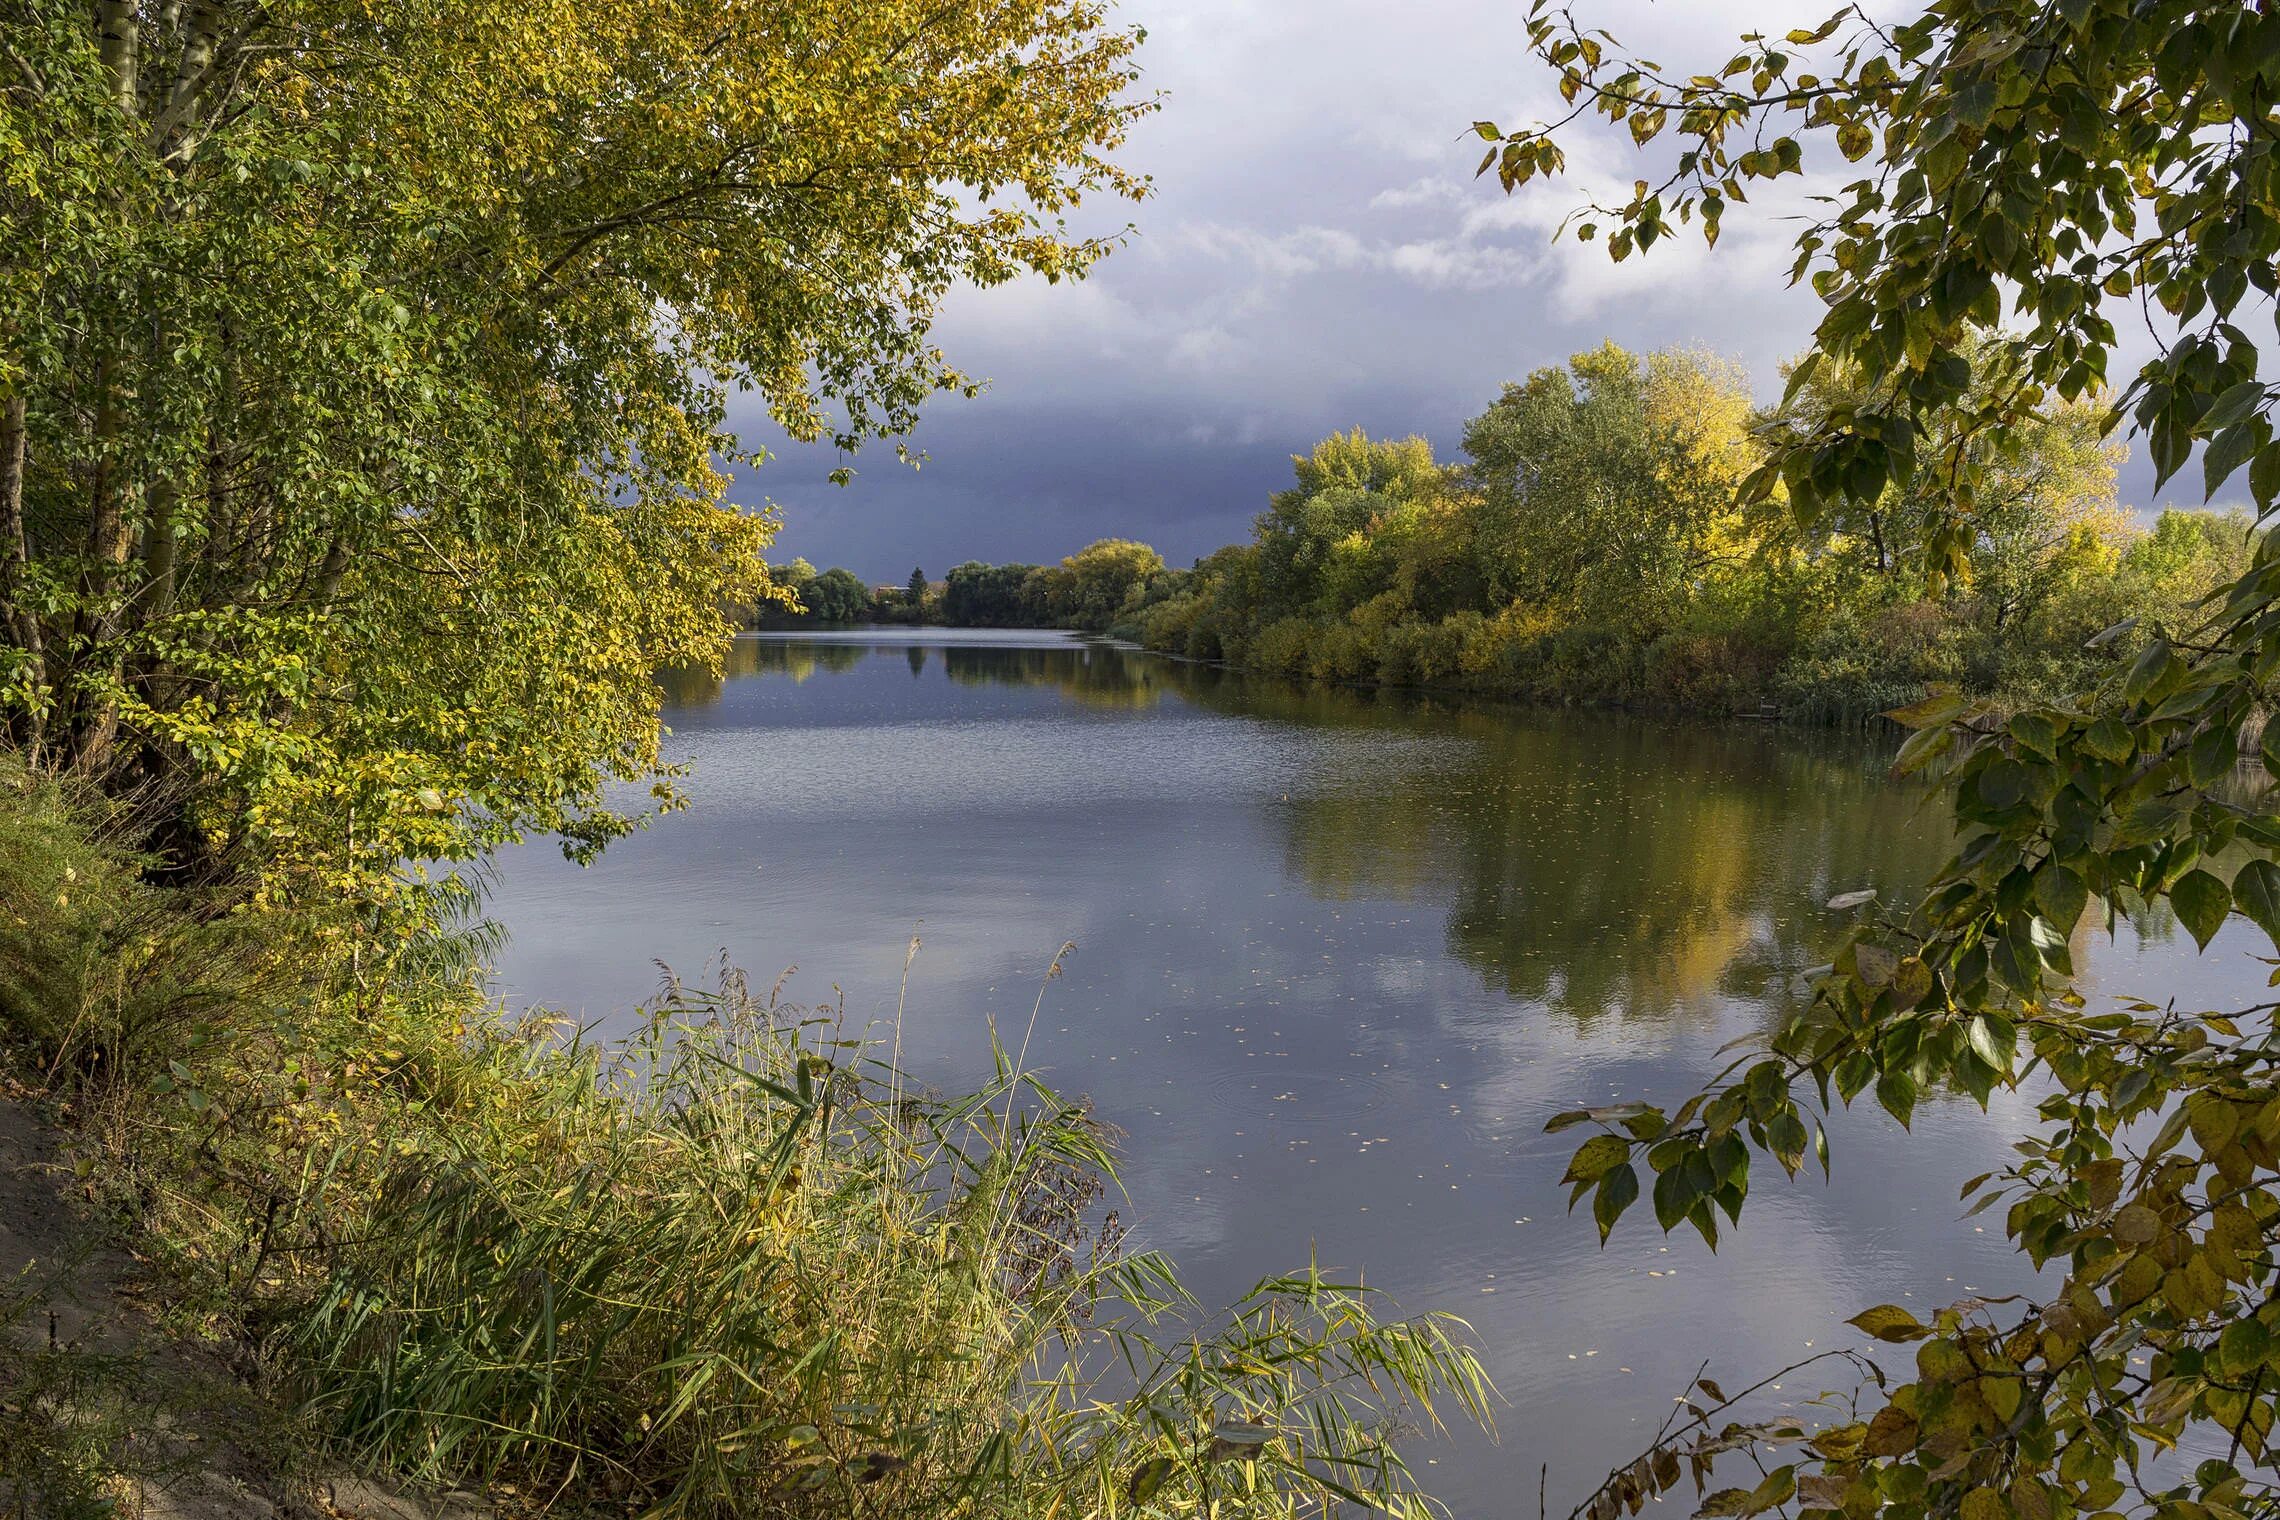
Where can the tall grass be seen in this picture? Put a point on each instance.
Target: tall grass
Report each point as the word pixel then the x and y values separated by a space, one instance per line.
pixel 101 971
pixel 730 1266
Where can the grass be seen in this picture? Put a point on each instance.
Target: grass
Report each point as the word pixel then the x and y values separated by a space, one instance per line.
pixel 63 1422
pixel 730 1264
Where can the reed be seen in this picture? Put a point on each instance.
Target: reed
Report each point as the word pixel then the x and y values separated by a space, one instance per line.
pixel 731 1265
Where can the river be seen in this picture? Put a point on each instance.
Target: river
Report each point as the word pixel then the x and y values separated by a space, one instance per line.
pixel 1338 957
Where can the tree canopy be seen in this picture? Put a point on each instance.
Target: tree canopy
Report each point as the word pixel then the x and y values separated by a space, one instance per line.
pixel 979 595
pixel 2031 170
pixel 1608 486
pixel 363 368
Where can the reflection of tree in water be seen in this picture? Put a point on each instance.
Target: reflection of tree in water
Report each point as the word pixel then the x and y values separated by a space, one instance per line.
pixel 1599 865
pixel 1097 675
pixel 1614 869
pixel 1602 865
pixel 695 686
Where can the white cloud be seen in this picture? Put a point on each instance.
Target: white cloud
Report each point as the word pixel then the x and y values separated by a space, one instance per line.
pixel 1432 190
pixel 1466 259
pixel 1205 348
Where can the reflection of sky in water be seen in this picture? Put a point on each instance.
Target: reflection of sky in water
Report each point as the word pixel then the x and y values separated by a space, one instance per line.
pixel 1339 957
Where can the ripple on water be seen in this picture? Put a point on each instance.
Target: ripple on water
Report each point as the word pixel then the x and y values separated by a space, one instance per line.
pixel 1299 1091
pixel 932 767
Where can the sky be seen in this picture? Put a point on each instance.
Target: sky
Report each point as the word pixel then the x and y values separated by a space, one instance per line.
pixel 1317 256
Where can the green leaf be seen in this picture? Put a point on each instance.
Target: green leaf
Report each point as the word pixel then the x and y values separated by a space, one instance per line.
pixel 2229 450
pixel 1896 1091
pixel 1774 1488
pixel 2244 1344
pixel 2061 895
pixel 2235 404
pixel 2264 476
pixel 1923 747
pixel 1618 1190
pixel 2256 892
pixel 2215 751
pixel 2109 739
pixel 2147 671
pixel 1997 1046
pixel 2035 731
pixel 1675 1194
pixel 1934 711
pixel 1595 1157
pixel 2202 902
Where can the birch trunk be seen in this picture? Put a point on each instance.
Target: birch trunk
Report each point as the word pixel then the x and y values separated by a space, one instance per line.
pixel 118 37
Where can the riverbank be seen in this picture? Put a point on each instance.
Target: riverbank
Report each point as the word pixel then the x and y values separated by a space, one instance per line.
pixel 1851 706
pixel 109 1408
pixel 726 1263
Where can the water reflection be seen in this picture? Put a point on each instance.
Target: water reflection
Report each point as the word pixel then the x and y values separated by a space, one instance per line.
pixel 695 686
pixel 1104 674
pixel 1605 867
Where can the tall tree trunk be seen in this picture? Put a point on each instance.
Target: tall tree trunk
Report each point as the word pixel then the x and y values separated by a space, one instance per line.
pixel 175 118
pixel 118 36
pixel 161 546
pixel 29 727
pixel 95 721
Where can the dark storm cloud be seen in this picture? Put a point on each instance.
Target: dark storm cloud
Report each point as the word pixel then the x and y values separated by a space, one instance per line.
pixel 1318 257
pixel 1011 482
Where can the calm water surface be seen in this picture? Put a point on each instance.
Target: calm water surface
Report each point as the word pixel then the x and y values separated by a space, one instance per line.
pixel 1339 956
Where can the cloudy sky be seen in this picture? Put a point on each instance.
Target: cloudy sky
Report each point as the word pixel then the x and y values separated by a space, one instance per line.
pixel 1318 256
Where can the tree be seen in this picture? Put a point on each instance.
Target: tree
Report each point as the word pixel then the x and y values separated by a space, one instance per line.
pixel 2045 518
pixel 839 596
pixel 1315 537
pixel 2044 481
pixel 917 589
pixel 2185 557
pixel 2027 162
pixel 362 370
pixel 794 585
pixel 1089 588
pixel 1608 487
pixel 976 595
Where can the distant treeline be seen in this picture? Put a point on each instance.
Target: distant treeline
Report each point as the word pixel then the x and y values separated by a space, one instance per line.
pixel 1088 590
pixel 1590 546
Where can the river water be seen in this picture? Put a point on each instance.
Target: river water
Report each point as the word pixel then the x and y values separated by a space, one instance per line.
pixel 1338 957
